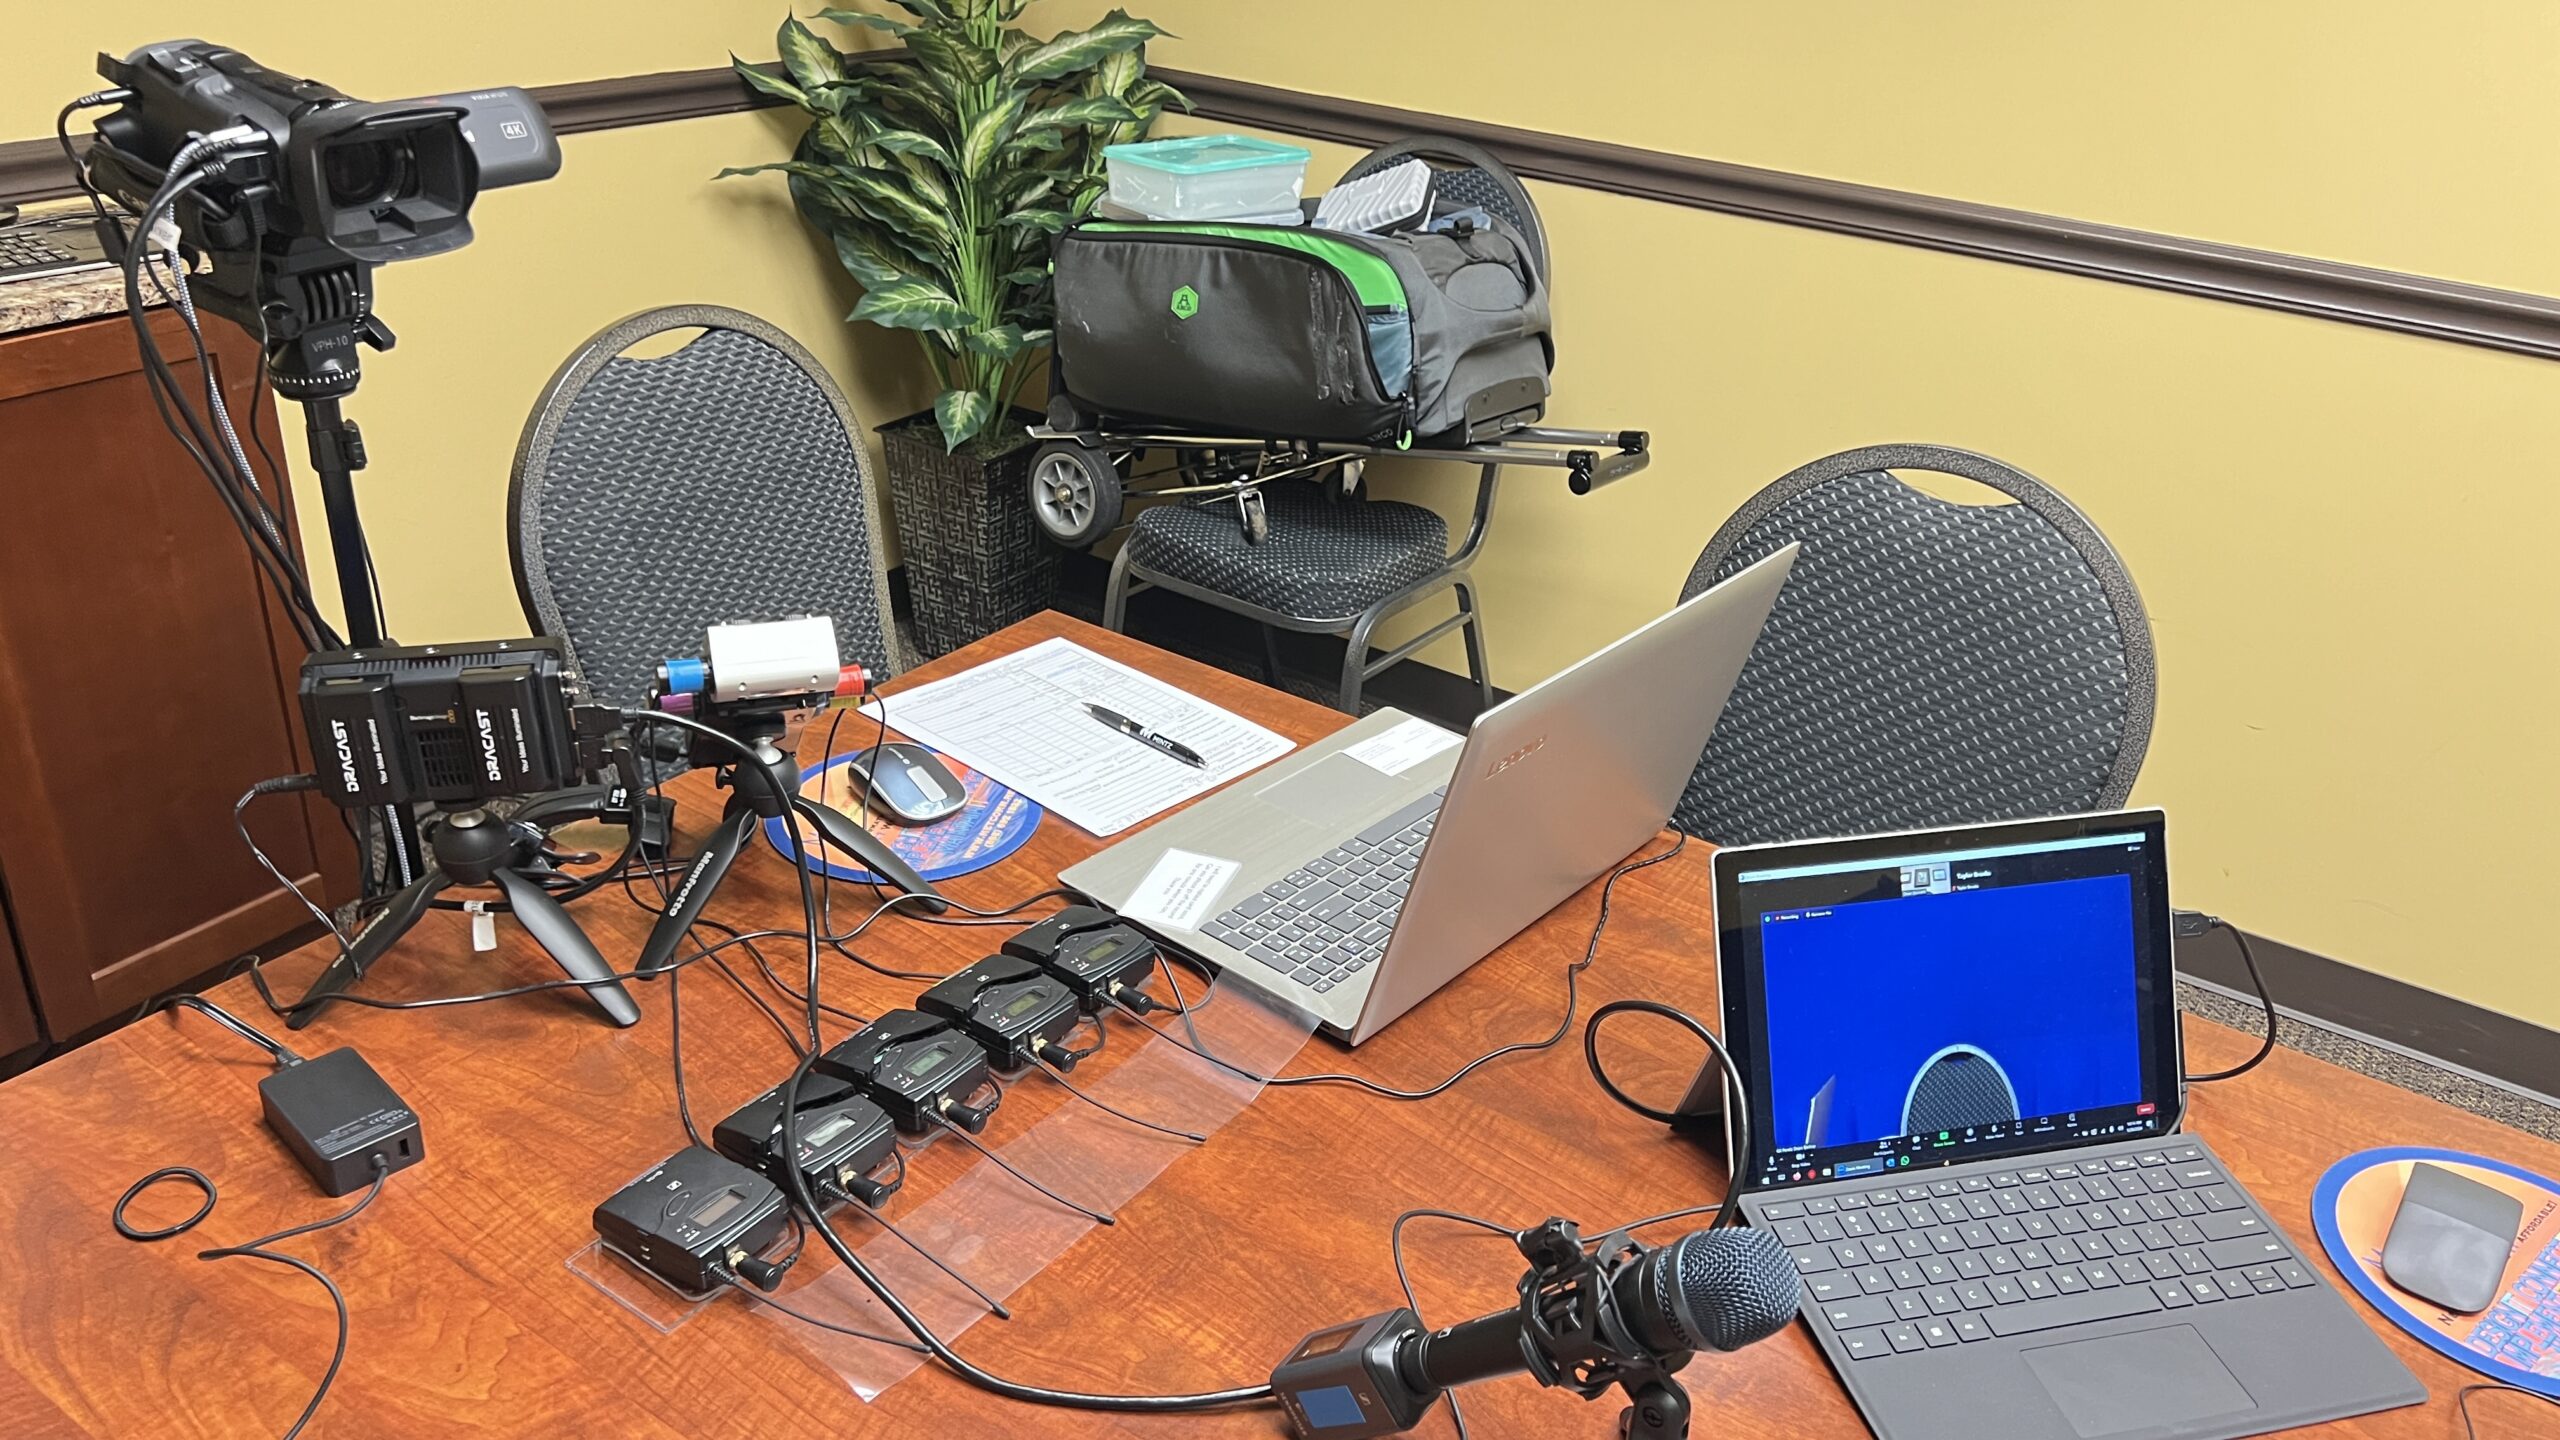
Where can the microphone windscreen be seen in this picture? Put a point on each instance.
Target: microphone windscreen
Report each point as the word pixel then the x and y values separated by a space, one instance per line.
pixel 1735 1286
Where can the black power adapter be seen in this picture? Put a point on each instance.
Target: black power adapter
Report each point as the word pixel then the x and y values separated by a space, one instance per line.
pixel 339 1119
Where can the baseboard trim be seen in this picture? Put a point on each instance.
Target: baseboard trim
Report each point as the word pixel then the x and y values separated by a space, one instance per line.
pixel 2365 1005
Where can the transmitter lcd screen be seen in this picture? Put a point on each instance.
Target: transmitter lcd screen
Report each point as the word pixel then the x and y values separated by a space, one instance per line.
pixel 719 1208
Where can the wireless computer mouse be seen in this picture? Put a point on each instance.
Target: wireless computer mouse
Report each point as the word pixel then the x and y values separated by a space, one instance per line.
pixel 908 783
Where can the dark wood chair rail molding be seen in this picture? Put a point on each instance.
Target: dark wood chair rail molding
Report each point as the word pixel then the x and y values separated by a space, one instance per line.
pixel 2451 310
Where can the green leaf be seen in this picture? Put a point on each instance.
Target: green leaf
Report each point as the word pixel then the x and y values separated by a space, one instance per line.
pixel 865 18
pixel 1002 342
pixel 1030 277
pixel 1036 190
pixel 865 263
pixel 1085 110
pixel 812 61
pixel 1158 94
pixel 728 170
pixel 1047 222
pixel 1116 74
pixel 914 142
pixel 1072 52
pixel 761 79
pixel 930 191
pixel 881 197
pixel 961 414
pixel 923 9
pixel 1026 142
pixel 988 133
pixel 911 304
pixel 951 58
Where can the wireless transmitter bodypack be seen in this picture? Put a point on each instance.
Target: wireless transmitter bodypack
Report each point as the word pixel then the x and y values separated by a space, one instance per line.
pixel 1098 955
pixel 919 1067
pixel 1014 1008
pixel 694 1221
pixel 840 1136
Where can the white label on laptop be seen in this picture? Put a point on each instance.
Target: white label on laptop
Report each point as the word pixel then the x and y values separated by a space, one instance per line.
pixel 1400 749
pixel 1182 889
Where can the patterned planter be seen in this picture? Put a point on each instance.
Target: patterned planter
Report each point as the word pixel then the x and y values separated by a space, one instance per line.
pixel 974 556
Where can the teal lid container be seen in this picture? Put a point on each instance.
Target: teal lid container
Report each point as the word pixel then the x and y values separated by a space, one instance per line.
pixel 1206 177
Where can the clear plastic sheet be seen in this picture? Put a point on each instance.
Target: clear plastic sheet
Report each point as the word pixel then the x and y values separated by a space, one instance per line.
pixel 989 1225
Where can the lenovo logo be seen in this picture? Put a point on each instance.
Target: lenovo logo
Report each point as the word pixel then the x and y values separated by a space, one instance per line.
pixel 1515 757
pixel 346 747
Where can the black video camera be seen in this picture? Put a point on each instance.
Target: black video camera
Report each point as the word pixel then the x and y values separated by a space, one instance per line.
pixel 308 186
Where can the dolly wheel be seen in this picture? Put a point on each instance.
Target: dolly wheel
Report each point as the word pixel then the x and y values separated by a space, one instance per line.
pixel 1075 493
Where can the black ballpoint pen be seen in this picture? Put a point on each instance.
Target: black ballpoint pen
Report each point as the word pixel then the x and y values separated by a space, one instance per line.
pixel 1145 736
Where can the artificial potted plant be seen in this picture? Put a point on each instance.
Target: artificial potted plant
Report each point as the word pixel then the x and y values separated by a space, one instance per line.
pixel 941 171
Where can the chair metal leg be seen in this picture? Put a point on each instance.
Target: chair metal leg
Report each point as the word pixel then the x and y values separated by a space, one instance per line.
pixel 1478 666
pixel 1115 597
pixel 1355 659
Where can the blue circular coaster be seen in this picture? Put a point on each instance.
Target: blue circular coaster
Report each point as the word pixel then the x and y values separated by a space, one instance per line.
pixel 993 824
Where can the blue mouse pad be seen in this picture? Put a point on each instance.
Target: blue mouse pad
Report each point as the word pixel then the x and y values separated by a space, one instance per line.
pixel 2517 1339
pixel 993 824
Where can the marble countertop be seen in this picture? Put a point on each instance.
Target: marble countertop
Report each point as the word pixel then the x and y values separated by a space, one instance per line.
pixel 43 300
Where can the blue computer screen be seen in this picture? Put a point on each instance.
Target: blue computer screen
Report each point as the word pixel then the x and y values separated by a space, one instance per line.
pixel 1886 1011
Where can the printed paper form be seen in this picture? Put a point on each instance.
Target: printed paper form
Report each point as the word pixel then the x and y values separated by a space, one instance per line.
pixel 1021 719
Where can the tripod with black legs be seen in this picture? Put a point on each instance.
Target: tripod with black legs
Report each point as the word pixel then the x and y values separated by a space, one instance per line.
pixel 476 847
pixel 769 790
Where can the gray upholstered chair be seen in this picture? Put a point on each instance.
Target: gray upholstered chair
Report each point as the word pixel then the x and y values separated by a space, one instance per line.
pixel 1330 565
pixel 721 481
pixel 1929 663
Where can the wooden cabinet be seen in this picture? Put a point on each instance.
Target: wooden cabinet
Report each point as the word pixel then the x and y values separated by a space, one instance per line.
pixel 146 680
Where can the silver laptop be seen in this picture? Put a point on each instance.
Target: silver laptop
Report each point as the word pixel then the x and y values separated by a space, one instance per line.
pixel 1371 868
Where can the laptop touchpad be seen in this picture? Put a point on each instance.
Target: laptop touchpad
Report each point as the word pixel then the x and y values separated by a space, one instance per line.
pixel 2141 1381
pixel 1328 792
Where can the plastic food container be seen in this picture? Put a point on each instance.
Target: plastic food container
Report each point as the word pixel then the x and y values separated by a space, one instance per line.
pixel 1206 177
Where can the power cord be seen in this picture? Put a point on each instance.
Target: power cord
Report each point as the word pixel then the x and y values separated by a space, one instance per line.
pixel 2462 1402
pixel 1736 1105
pixel 257 1250
pixel 2188 924
pixel 285 1059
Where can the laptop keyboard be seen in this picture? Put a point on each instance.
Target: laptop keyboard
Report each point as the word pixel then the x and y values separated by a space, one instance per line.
pixel 1329 919
pixel 1929 1264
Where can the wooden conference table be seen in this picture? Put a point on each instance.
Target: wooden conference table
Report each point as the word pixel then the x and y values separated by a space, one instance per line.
pixel 467 1320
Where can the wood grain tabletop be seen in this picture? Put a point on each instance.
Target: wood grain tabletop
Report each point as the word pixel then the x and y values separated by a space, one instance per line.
pixel 468 1318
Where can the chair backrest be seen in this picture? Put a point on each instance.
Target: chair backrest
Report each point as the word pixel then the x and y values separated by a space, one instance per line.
pixel 719 482
pixel 1467 174
pixel 1928 664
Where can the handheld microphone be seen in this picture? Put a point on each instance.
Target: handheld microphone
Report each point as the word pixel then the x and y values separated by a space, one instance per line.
pixel 1622 1314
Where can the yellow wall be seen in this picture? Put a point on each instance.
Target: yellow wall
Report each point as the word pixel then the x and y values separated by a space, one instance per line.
pixel 2339 532
pixel 2413 137
pixel 633 220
